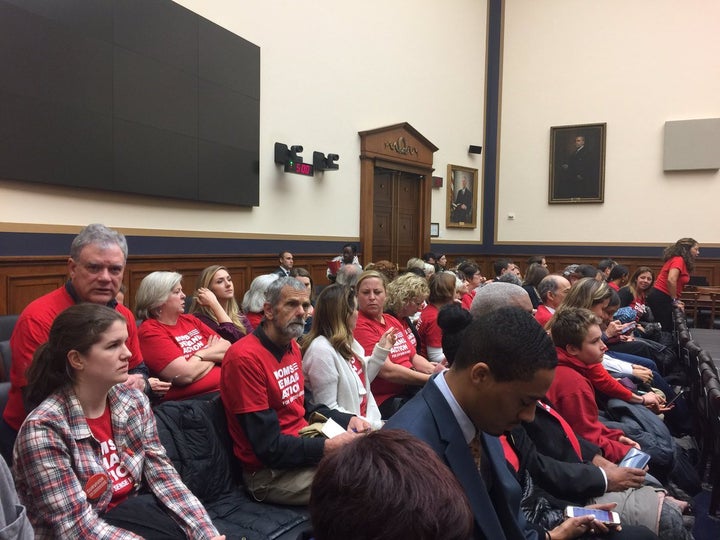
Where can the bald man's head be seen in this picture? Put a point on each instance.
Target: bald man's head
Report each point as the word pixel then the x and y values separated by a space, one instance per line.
pixel 495 295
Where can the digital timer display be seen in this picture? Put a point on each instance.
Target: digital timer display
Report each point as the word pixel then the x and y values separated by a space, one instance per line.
pixel 298 167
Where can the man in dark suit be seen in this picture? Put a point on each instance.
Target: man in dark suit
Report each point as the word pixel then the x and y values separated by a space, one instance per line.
pixel 502 363
pixel 462 207
pixel 475 401
pixel 579 173
pixel 286 263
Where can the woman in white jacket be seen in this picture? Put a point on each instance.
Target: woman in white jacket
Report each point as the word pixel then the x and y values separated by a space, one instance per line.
pixel 337 373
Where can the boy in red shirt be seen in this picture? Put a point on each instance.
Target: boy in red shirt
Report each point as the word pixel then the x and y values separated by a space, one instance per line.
pixel 578 342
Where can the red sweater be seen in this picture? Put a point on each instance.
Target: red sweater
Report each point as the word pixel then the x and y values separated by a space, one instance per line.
pixel 603 382
pixel 572 394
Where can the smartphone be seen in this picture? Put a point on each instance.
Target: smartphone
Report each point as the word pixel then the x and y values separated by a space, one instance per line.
pixel 680 393
pixel 635 459
pixel 609 518
pixel 629 328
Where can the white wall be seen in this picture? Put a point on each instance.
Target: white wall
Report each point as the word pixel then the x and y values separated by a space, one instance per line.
pixel 328 70
pixel 633 65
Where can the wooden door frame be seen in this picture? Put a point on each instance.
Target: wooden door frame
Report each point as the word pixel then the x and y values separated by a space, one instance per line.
pixel 398 147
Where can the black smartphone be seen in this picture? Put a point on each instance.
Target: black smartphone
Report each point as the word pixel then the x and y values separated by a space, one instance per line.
pixel 680 393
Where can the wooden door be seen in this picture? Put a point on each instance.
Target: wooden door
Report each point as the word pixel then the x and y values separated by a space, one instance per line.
pixel 395 193
pixel 396 212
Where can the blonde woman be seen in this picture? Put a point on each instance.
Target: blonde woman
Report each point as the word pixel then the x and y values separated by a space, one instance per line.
pixel 215 305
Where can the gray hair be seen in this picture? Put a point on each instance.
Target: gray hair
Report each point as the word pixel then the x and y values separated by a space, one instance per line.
pixel 509 277
pixel 154 290
pixel 97 234
pixel 494 295
pixel 548 284
pixel 273 292
pixel 416 262
pixel 348 275
pixel 254 297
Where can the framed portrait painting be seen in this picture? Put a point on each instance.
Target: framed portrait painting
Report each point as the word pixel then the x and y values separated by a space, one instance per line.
pixel 461 197
pixel 577 164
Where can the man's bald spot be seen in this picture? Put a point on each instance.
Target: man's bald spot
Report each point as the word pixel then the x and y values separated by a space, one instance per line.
pixel 495 295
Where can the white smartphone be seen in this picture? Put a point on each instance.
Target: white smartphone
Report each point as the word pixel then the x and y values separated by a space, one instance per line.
pixel 609 518
pixel 635 458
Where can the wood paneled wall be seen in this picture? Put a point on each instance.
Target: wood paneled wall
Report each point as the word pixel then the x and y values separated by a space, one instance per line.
pixel 22 279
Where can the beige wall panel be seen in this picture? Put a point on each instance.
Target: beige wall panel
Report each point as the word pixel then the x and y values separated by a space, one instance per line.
pixel 634 65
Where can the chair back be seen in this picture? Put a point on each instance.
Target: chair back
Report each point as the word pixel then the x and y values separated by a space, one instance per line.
pixel 7 324
pixel 5 361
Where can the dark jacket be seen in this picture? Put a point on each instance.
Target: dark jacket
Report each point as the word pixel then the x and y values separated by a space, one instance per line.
pixel 497 510
pixel 195 435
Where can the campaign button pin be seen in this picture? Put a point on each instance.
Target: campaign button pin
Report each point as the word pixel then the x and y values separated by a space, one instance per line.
pixel 96 486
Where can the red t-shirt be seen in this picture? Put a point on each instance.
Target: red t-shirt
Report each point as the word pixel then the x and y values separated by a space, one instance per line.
pixel 661 281
pixel 358 369
pixel 32 330
pixel 368 332
pixel 254 380
pixel 162 343
pixel 543 315
pixel 428 330
pixel 122 482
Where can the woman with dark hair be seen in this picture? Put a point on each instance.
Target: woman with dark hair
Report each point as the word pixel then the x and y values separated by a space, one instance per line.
pixel 337 373
pixel 634 294
pixel 88 461
pixel 364 490
pixel 534 275
pixel 618 277
pixel 304 277
pixel 442 293
pixel 441 262
pixel 215 305
pixel 178 348
pixel 470 273
pixel 674 275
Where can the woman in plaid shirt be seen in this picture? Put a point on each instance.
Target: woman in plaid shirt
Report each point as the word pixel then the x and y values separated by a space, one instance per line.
pixel 88 461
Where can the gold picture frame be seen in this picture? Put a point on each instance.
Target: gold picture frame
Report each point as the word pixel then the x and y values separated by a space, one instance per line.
pixel 462 200
pixel 577 164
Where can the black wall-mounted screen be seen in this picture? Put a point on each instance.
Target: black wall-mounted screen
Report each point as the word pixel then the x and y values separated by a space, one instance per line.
pixel 134 96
